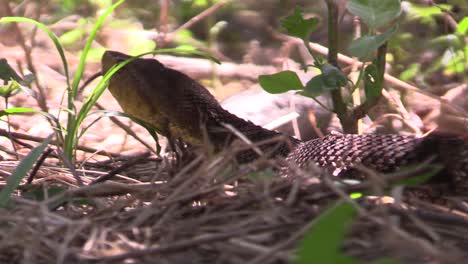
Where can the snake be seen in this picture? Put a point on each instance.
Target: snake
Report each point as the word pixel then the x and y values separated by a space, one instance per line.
pixel 179 107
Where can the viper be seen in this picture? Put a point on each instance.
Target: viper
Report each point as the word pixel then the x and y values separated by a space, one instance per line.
pixel 181 108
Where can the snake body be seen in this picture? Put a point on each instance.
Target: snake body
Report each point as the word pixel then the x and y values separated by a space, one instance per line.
pixel 179 107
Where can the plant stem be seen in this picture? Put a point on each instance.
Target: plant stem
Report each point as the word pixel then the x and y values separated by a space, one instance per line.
pixel 349 124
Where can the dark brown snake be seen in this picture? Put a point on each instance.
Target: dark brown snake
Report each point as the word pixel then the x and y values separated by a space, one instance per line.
pixel 179 107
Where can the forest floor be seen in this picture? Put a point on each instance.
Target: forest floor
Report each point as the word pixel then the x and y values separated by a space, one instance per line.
pixel 211 209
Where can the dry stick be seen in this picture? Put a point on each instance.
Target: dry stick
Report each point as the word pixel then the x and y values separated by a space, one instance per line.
pixel 123 167
pixel 381 118
pixel 292 239
pixel 17 135
pixel 354 72
pixel 184 244
pixel 439 217
pixel 39 163
pixel 27 51
pixel 126 128
pixel 198 17
pixel 71 166
pixel 163 16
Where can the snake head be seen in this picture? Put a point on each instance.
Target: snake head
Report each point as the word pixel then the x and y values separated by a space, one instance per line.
pixel 169 100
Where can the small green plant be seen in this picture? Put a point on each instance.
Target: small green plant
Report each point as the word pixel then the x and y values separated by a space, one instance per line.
pixel 68 135
pixel 375 14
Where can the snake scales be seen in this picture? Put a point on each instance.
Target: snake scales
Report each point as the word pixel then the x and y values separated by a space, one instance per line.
pixel 179 107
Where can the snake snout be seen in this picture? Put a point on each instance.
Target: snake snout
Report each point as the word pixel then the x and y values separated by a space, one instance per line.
pixel 111 58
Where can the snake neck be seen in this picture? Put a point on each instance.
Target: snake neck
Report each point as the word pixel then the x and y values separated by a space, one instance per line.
pixel 224 128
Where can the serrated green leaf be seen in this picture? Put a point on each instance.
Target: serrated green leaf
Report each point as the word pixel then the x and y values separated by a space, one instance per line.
pixel 280 82
pixel 375 13
pixel 297 26
pixel 364 46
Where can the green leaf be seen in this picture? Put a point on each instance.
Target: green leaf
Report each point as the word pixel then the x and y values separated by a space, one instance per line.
pixel 446 41
pixel 280 82
pixel 7 73
pixel 10 89
pixel 21 170
pixel 426 14
pixel 297 26
pixel 95 54
pixel 143 46
pixel 72 37
pixel 373 83
pixel 375 13
pixel 458 64
pixel 411 71
pixel 363 47
pixel 333 77
pixel 322 243
pixel 315 87
pixel 462 27
pixel 17 110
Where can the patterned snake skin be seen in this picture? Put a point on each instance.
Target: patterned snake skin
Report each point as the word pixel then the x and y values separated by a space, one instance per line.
pixel 179 107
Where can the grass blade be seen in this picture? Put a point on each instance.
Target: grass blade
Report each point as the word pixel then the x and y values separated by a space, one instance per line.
pixel 21 170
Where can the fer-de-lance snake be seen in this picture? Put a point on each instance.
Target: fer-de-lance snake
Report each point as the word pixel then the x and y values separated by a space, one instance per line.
pixel 179 107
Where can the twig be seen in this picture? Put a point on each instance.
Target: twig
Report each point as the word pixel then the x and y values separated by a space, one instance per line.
pixel 183 244
pixel 121 168
pixel 39 163
pixel 27 51
pixel 199 17
pixel 17 135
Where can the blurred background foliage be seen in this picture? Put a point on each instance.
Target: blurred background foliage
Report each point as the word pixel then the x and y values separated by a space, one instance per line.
pixel 430 47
